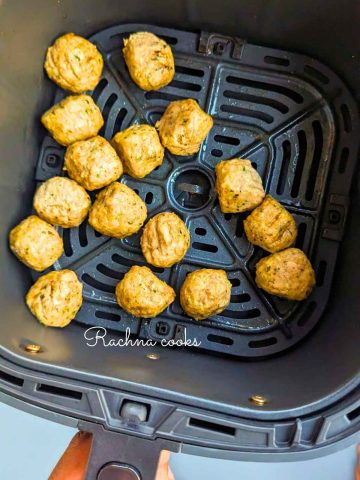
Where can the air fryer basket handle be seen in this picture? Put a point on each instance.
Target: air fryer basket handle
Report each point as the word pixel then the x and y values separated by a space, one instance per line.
pixel 117 456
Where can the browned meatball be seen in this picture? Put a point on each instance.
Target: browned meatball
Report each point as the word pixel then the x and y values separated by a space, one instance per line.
pixel 140 149
pixel 61 201
pixel 205 293
pixel 165 240
pixel 143 294
pixel 92 163
pixel 183 127
pixel 36 243
pixel 238 185
pixel 149 59
pixel 287 274
pixel 117 211
pixel 75 118
pixel 55 298
pixel 270 226
pixel 74 63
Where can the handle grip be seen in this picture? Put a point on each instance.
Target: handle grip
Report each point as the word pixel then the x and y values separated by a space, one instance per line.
pixel 117 456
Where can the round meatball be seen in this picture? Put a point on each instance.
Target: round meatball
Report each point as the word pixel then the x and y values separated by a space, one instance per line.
pixel 270 226
pixel 92 163
pixel 140 149
pixel 55 298
pixel 165 240
pixel 287 274
pixel 36 243
pixel 143 294
pixel 117 211
pixel 75 118
pixel 61 201
pixel 205 293
pixel 183 127
pixel 238 185
pixel 149 59
pixel 74 63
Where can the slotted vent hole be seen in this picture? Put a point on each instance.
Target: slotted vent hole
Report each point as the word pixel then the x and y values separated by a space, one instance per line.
pixel 193 87
pixel 301 235
pixel 266 342
pixel 354 414
pixel 220 339
pixel 129 263
pixel 212 427
pixel 170 97
pixel 97 284
pixel 346 118
pixel 227 140
pixel 321 272
pixel 239 232
pixel 97 234
pixel 119 120
pixel 246 112
pixel 316 74
pixel 59 392
pixel 228 216
pixel 193 72
pixel 149 198
pixel 109 272
pixel 67 242
pixel 344 157
pixel 169 40
pixel 286 155
pixel 246 97
pixel 200 231
pixel 82 235
pixel 302 142
pixel 113 317
pixel 6 377
pixel 269 87
pixel 235 282
pixel 241 314
pixel 241 298
pixel 109 104
pixel 205 247
pixel 283 62
pixel 318 138
pixel 99 89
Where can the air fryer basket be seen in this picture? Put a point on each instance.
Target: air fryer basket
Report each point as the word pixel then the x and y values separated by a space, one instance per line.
pixel 296 120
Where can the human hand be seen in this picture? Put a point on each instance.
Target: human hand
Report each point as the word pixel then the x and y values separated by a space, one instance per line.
pixel 357 474
pixel 72 465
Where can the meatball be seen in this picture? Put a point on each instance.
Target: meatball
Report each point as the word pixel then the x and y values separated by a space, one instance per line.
pixel 36 243
pixel 62 202
pixel 143 294
pixel 55 298
pixel 117 211
pixel 165 240
pixel 238 185
pixel 139 149
pixel 287 274
pixel 92 163
pixel 183 126
pixel 74 63
pixel 270 226
pixel 75 118
pixel 205 293
pixel 149 59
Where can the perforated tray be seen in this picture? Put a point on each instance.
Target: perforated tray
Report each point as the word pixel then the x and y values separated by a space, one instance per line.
pixel 287 113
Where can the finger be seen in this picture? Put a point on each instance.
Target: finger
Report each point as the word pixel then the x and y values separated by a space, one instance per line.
pixel 72 465
pixel 163 469
pixel 171 476
pixel 357 475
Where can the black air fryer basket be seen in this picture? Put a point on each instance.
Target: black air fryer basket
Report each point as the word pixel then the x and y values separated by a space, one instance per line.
pixel 273 379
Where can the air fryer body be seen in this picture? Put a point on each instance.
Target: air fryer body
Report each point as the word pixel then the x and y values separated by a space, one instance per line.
pixel 312 389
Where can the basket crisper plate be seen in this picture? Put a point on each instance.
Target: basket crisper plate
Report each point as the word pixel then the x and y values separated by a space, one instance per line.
pixel 287 113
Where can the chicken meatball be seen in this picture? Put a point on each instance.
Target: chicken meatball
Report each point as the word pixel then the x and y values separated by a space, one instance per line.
pixel 205 293
pixel 287 274
pixel 75 118
pixel 183 126
pixel 270 226
pixel 61 201
pixel 143 294
pixel 117 211
pixel 74 63
pixel 165 240
pixel 139 149
pixel 238 185
pixel 92 163
pixel 149 59
pixel 36 243
pixel 55 298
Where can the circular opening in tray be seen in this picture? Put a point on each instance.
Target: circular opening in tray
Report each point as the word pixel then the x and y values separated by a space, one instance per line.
pixel 190 189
